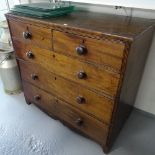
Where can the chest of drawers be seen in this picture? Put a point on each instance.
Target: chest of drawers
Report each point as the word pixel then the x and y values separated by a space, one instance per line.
pixel 83 69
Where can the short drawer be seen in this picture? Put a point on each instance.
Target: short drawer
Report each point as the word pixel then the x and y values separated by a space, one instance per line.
pixel 82 73
pixel 102 52
pixel 84 99
pixel 61 110
pixel 27 33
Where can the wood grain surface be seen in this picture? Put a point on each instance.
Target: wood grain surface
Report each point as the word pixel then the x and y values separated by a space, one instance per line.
pixel 53 106
pixel 40 36
pixel 95 104
pixel 96 78
pixel 104 53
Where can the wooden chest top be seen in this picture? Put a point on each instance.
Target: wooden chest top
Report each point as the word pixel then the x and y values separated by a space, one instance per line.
pixel 99 24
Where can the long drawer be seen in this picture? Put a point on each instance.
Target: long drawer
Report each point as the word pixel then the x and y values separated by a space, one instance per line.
pixel 102 52
pixel 61 110
pixel 84 99
pixel 86 74
pixel 31 34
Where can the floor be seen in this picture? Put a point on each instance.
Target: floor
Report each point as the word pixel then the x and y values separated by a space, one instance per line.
pixel 25 130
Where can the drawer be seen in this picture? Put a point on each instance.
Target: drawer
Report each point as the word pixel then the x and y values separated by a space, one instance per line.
pixel 102 52
pixel 84 99
pixel 61 110
pixel 85 74
pixel 27 33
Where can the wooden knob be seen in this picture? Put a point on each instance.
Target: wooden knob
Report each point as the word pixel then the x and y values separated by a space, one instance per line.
pixel 82 75
pixel 37 97
pixel 80 100
pixel 81 50
pixel 79 121
pixel 30 55
pixel 27 35
pixel 34 76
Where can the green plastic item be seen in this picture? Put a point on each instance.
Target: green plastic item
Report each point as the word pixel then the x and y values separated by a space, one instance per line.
pixel 60 13
pixel 43 10
pixel 45 6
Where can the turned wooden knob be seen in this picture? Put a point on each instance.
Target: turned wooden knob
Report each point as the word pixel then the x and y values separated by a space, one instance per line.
pixel 79 121
pixel 30 55
pixel 34 76
pixel 81 50
pixel 37 97
pixel 80 99
pixel 27 35
pixel 82 75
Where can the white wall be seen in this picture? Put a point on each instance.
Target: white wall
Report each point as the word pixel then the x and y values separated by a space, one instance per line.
pixel 146 4
pixel 146 95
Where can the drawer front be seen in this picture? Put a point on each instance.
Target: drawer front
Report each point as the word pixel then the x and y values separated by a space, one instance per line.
pixel 88 101
pixel 73 117
pixel 31 34
pixel 72 69
pixel 101 52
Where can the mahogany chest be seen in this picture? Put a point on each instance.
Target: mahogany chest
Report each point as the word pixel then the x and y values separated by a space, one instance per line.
pixel 83 69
